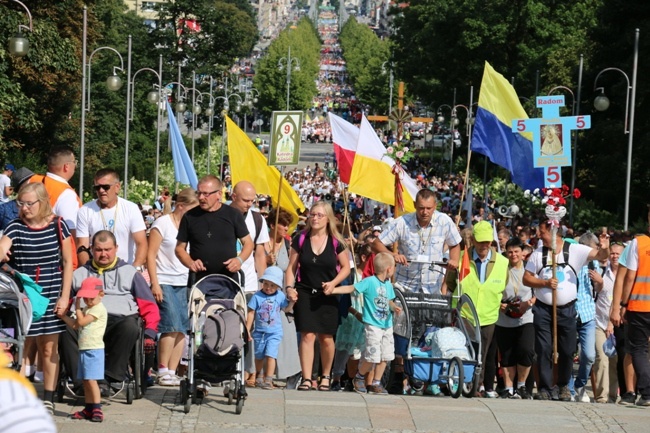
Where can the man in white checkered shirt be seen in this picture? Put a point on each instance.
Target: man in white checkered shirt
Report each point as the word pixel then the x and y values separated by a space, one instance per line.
pixel 421 238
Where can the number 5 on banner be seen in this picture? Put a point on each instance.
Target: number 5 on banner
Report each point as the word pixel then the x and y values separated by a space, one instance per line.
pixel 552 177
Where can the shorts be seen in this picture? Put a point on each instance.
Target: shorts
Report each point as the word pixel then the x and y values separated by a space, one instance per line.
pixel 267 344
pixel 173 310
pixel 380 344
pixel 91 364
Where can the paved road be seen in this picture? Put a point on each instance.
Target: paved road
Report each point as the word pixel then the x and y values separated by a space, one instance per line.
pixel 294 411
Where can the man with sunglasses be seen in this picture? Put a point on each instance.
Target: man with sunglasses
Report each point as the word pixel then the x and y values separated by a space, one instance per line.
pixel 212 230
pixel 115 214
pixel 61 165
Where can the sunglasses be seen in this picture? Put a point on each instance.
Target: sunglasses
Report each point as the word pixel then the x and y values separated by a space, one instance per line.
pixel 105 187
pixel 206 193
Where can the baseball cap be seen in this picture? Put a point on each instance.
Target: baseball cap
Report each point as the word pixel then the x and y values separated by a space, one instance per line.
pixel 10 167
pixel 20 176
pixel 273 274
pixel 90 288
pixel 483 232
pixel 376 229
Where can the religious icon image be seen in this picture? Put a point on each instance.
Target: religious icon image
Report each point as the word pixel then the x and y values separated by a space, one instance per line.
pixel 551 137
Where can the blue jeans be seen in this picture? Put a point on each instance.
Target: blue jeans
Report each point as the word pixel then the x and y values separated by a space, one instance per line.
pixel 587 340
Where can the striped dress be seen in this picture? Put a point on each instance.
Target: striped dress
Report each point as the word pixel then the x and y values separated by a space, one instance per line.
pixel 36 252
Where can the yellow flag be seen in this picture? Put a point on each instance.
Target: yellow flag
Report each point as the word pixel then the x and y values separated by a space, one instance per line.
pixel 248 163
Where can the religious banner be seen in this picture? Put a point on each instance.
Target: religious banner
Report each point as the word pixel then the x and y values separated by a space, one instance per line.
pixel 551 137
pixel 286 128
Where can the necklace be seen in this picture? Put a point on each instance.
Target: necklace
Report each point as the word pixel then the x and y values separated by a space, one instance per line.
pixel 111 223
pixel 318 251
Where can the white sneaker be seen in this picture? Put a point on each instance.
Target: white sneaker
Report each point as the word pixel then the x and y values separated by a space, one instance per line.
pixel 38 377
pixel 582 396
pixel 169 380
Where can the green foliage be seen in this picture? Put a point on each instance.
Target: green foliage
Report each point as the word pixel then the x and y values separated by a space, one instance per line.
pixel 271 81
pixel 368 64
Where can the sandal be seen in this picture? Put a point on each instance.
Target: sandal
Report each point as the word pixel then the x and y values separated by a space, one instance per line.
pixel 82 414
pixel 250 382
pixel 305 385
pixel 323 387
pixel 97 415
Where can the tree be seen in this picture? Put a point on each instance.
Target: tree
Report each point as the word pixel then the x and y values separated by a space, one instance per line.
pixel 270 80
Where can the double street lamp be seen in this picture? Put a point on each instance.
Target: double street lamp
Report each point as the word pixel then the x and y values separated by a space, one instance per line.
pixel 601 103
pixel 19 44
pixel 288 62
pixel 113 83
pixel 390 82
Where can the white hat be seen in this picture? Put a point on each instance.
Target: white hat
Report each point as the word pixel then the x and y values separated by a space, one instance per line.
pixel 273 274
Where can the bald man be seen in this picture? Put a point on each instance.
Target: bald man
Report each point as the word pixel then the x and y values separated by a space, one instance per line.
pixel 243 196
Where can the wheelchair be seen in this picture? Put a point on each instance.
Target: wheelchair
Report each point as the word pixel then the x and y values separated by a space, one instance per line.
pixel 135 383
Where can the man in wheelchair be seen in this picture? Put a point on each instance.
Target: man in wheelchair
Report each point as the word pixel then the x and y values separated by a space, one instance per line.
pixel 127 299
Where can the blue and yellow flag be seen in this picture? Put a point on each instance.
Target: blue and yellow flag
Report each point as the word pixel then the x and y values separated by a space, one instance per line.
pixel 498 106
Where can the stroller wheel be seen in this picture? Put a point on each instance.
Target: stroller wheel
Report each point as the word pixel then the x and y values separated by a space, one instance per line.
pixel 228 392
pixel 240 406
pixel 129 392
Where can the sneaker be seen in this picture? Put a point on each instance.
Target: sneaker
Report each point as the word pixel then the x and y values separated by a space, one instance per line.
pixel 432 389
pixel 506 393
pixel 168 380
pixel 377 390
pixel 523 393
pixel 202 389
pixel 336 385
pixel 543 394
pixel 555 393
pixel 629 398
pixel 38 377
pixel 359 385
pixel 49 407
pixel 582 396
pixel 514 395
pixel 349 386
pixel 565 394
pixel 643 402
pixel 490 394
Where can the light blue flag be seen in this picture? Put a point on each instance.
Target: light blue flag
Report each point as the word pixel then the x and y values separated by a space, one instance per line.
pixel 183 169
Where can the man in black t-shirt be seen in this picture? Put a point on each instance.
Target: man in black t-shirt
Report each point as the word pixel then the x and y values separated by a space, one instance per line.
pixel 212 230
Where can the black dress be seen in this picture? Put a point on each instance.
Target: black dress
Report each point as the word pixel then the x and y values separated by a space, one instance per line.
pixel 315 312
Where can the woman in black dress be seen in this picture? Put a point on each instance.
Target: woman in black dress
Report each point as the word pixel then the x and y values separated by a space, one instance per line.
pixel 318 260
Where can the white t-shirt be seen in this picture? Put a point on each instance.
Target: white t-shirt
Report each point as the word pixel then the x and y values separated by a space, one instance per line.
pixel 128 220
pixel 567 289
pixel 250 275
pixel 169 269
pixel 67 205
pixel 4 182
pixel 632 261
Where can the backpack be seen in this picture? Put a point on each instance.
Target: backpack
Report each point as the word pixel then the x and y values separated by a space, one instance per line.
pixel 257 220
pixel 565 253
pixel 223 332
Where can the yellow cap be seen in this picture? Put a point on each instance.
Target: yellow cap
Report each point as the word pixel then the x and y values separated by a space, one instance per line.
pixel 483 232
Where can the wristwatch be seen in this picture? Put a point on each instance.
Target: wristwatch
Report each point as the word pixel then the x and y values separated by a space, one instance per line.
pixel 624 304
pixel 139 268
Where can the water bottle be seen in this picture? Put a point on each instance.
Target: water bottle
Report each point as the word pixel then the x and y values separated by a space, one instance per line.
pixel 198 336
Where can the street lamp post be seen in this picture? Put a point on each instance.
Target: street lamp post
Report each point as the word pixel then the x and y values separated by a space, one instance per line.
pixel 574 137
pixel 441 119
pixel 19 44
pixel 601 103
pixel 113 82
pixel 154 97
pixel 226 107
pixel 250 99
pixel 286 62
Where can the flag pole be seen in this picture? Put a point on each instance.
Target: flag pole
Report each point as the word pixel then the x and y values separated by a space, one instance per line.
pixel 554 291
pixel 465 183
pixel 277 212
pixel 346 219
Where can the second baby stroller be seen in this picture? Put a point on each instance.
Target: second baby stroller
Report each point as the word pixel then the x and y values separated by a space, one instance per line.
pixel 217 336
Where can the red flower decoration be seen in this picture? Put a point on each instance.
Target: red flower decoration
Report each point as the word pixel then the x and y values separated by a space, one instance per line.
pixel 576 193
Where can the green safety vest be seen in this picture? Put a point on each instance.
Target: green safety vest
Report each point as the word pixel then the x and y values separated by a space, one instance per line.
pixel 487 296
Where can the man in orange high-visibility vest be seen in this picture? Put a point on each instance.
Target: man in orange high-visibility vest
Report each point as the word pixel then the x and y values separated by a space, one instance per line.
pixel 635 309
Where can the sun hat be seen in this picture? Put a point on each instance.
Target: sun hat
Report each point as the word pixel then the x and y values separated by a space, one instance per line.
pixel 20 176
pixel 90 288
pixel 483 232
pixel 273 274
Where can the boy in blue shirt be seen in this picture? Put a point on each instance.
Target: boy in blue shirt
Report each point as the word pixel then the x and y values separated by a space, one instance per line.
pixel 264 311
pixel 378 308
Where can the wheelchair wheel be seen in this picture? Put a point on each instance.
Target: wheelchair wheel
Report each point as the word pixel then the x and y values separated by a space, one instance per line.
pixel 185 396
pixel 129 392
pixel 455 377
pixel 240 405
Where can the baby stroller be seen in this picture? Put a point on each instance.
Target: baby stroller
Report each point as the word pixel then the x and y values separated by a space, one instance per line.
pixel 217 336
pixel 15 318
pixel 440 343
